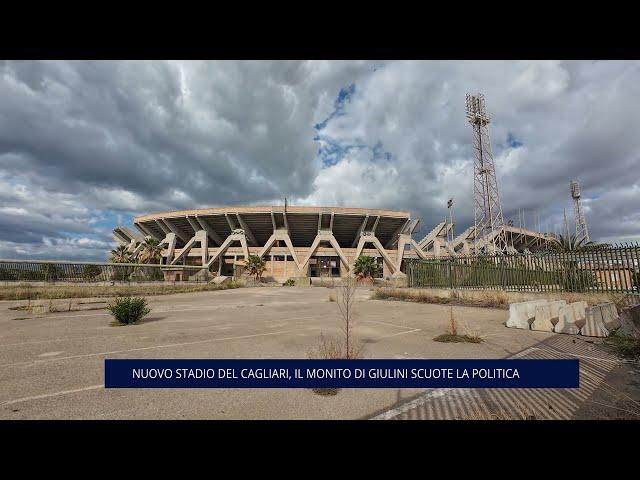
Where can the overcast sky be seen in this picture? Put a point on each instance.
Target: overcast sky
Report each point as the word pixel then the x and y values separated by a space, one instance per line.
pixel 86 146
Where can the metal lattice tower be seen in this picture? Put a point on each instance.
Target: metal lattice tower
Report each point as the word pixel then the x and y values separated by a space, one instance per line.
pixel 582 233
pixel 487 208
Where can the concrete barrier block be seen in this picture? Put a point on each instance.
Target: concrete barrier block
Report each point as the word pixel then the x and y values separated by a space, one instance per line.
pixel 566 321
pixel 594 326
pixel 610 316
pixel 542 321
pixel 554 306
pixel 518 316
pixel 579 313
pixel 522 314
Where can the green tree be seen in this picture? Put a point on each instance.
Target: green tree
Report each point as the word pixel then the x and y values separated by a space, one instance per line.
pixel 366 267
pixel 255 266
pixel 121 255
pixel 151 251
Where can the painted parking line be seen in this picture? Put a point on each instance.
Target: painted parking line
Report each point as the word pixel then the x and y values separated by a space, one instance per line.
pixel 49 395
pixel 151 332
pixel 399 333
pixel 53 315
pixel 169 345
pixel 387 323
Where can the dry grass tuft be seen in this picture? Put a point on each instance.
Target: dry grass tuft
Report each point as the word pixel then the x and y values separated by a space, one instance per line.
pixel 489 299
pixel 450 338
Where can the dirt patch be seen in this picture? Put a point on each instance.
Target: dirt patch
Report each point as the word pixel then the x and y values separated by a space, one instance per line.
pixel 618 398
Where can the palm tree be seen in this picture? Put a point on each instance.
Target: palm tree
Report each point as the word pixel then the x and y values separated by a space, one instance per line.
pixel 255 266
pixel 151 251
pixel 366 266
pixel 121 255
pixel 570 244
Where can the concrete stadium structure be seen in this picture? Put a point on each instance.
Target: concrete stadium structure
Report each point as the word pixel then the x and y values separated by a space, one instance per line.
pixel 296 241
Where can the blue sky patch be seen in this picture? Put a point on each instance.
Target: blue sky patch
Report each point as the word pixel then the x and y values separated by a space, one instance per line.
pixel 344 95
pixel 512 141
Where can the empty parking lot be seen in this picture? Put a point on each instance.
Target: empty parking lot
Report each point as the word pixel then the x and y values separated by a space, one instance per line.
pixel 51 366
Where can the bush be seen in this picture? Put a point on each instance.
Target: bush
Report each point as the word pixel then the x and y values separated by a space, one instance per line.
pixel 624 345
pixel 255 266
pixel 89 272
pixel 128 310
pixel 290 283
pixel 366 267
pixel 50 271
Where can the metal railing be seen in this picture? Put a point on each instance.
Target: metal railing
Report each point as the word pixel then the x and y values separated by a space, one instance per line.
pixel 89 272
pixel 611 269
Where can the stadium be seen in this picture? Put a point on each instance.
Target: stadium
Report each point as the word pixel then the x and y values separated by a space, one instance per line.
pixel 295 241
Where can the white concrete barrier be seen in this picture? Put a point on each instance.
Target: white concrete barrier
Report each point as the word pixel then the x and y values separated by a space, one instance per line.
pixel 594 326
pixel 579 309
pixel 522 314
pixel 610 316
pixel 555 309
pixel 566 321
pixel 542 321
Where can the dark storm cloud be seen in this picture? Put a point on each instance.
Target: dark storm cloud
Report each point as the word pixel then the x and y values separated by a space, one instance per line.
pixel 83 142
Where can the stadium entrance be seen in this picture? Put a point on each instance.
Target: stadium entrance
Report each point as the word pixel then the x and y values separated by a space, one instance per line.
pixel 324 267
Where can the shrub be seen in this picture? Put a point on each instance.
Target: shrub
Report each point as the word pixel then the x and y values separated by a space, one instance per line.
pixel 89 272
pixel 255 266
pixel 624 345
pixel 50 271
pixel 128 310
pixel 366 267
pixel 290 283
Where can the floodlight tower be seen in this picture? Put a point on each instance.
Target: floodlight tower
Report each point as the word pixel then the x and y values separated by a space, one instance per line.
pixel 487 208
pixel 582 234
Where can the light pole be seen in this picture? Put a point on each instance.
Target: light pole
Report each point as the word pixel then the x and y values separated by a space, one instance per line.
pixel 450 207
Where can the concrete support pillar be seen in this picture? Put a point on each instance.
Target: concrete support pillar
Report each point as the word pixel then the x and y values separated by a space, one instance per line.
pixel 281 235
pixel 403 240
pixel 201 238
pixel 325 236
pixel 236 236
pixel 170 241
pixel 364 239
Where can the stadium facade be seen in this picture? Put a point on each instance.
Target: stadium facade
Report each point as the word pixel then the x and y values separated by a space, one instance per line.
pixel 295 241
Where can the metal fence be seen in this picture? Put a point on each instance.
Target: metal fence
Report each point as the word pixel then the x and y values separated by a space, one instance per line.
pixel 89 272
pixel 611 269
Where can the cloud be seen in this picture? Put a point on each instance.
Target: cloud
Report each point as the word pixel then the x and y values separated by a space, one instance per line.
pixel 85 145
